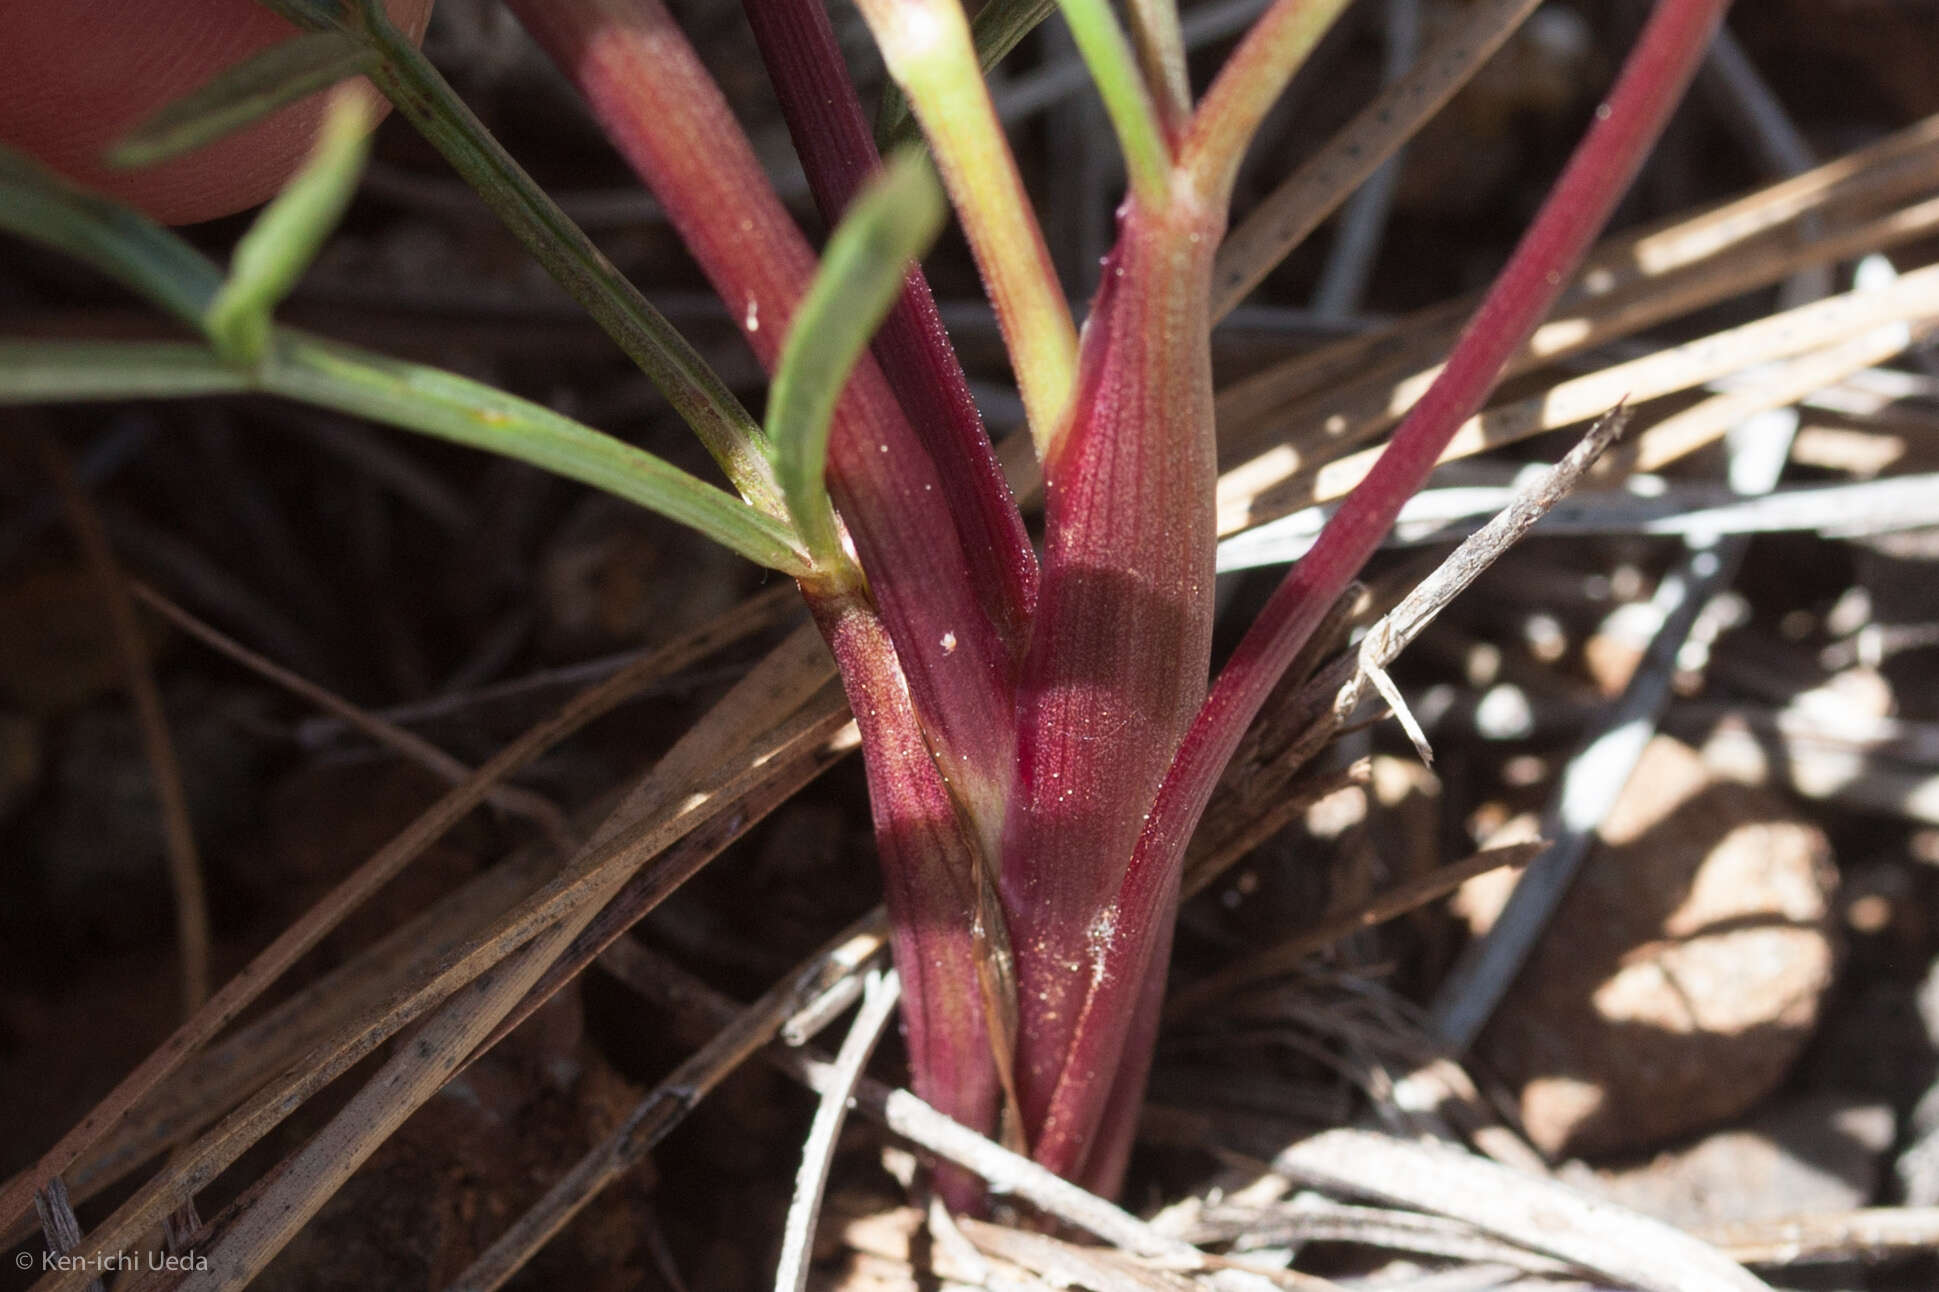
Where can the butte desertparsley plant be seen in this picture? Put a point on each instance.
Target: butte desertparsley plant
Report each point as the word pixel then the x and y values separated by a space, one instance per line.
pixel 1042 730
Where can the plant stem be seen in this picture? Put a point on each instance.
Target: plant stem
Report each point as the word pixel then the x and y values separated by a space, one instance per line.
pixel 1161 55
pixel 663 111
pixel 797 43
pixel 926 45
pixel 931 876
pixel 998 27
pixel 1127 99
pixel 1652 81
pixel 1246 88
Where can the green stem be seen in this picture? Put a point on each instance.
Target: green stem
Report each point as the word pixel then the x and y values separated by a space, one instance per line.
pixel 999 26
pixel 1161 53
pixel 1246 88
pixel 927 47
pixel 1147 157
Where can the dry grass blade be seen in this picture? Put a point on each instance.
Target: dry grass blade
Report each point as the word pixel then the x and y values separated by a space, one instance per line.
pixel 1386 639
pixel 647 889
pixel 1305 1218
pixel 1867 1234
pixel 184 862
pixel 670 1101
pixel 700 778
pixel 533 807
pixel 1228 847
pixel 730 751
pixel 1286 956
pixel 1627 283
pixel 1066 1265
pixel 1271 485
pixel 271 963
pixel 879 999
pixel 1364 402
pixel 58 1222
pixel 1703 424
pixel 660 979
pixel 1538 1214
pixel 1294 209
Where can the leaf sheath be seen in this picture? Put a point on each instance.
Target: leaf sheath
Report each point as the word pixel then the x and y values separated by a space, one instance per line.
pixel 1119 659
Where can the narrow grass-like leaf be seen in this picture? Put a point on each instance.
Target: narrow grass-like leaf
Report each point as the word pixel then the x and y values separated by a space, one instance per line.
pixel 245 94
pixel 429 400
pixel 891 222
pixel 998 28
pixel 912 349
pixel 410 396
pixel 165 268
pixel 287 235
pixel 128 247
pixel 676 369
pixel 1127 101
pixel 52 372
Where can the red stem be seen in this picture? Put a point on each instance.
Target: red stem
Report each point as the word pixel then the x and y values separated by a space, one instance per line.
pixel 1652 81
pixel 664 113
pixel 929 869
pixel 837 151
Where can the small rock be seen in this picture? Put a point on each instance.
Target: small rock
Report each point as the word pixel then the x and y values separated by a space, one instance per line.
pixel 1818 1153
pixel 1683 972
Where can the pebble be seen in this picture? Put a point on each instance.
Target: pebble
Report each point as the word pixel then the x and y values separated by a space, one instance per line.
pixel 1682 974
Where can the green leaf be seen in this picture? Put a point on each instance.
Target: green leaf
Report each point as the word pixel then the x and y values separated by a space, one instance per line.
pixel 53 372
pixel 410 396
pixel 676 369
pixel 434 402
pixel 39 205
pixel 890 223
pixel 998 28
pixel 244 95
pixel 279 246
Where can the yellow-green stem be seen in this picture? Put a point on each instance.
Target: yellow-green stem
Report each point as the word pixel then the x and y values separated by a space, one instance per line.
pixel 1246 88
pixel 926 45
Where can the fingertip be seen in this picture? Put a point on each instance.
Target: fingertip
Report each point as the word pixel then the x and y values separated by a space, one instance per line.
pixel 81 74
